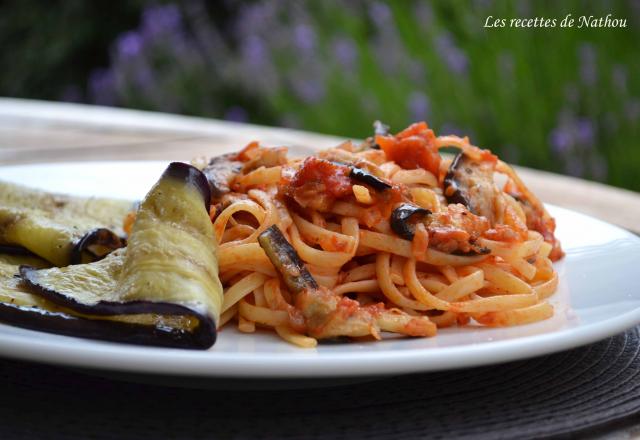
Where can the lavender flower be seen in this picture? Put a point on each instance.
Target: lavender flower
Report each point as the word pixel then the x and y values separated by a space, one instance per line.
pixel 632 110
pixel 418 106
pixel 506 65
pixel 236 114
pixel 129 45
pixel 575 168
pixel 253 52
pixel 308 90
pixel 523 8
pixel 588 68
pixel 305 38
pixel 345 52
pixel 452 55
pixel 423 13
pixel 159 20
pixel 483 4
pixel 205 34
pixel 619 77
pixel 256 16
pixel 102 87
pixel 143 78
pixel 452 128
pixel 585 132
pixel 380 13
pixel 574 140
pixel 386 43
pixel 561 140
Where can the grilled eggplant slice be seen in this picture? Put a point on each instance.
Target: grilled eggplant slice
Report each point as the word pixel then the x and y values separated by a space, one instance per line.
pixel 368 178
pixel 403 219
pixel 59 228
pixel 106 211
pixel 471 183
pixel 285 258
pixel 219 173
pixel 325 314
pixel 20 307
pixel 169 268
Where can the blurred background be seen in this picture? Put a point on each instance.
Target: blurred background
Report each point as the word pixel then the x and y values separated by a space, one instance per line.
pixel 564 100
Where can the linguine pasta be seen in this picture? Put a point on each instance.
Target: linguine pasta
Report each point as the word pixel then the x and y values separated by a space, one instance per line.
pixel 397 238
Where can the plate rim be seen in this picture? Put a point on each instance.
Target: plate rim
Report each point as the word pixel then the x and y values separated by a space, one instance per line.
pixel 55 349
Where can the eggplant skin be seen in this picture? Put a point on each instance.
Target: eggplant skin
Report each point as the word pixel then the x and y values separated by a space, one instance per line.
pixel 95 244
pixel 400 219
pixel 19 306
pixel 202 337
pixel 15 250
pixel 368 178
pixel 168 272
pixel 53 226
pixel 192 176
pixel 35 318
pixel 471 183
pixel 219 172
pixel 286 260
pixel 452 191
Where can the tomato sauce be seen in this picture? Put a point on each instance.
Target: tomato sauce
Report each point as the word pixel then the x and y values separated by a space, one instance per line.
pixel 414 147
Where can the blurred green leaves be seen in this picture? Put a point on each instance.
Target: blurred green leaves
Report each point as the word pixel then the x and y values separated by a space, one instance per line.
pixel 562 99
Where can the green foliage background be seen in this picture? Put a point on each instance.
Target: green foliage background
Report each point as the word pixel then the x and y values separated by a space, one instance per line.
pixel 561 99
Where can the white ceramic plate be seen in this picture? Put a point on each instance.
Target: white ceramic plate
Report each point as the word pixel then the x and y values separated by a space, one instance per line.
pixel 598 296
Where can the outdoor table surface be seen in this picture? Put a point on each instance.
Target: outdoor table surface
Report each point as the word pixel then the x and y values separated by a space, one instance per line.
pixel 41 132
pixel 36 131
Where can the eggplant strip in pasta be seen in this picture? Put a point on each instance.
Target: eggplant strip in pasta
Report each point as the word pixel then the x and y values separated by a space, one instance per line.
pixel 163 289
pixel 384 236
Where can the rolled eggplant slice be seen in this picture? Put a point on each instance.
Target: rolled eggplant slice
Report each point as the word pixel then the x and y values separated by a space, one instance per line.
pixel 58 238
pixel 105 212
pixel 20 307
pixel 62 229
pixel 168 269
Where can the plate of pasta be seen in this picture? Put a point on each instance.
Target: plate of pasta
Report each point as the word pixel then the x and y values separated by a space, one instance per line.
pixel 381 256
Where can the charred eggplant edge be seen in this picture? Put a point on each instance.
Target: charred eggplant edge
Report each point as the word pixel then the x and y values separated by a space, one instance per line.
pixel 101 236
pixel 192 176
pixel 204 336
pixel 368 178
pixel 401 215
pixel 12 249
pixel 35 318
pixel 286 260
pixel 218 171
pixel 452 191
